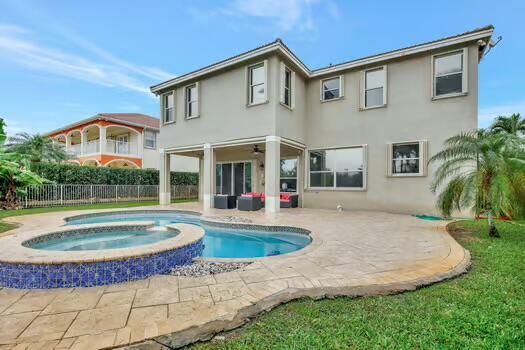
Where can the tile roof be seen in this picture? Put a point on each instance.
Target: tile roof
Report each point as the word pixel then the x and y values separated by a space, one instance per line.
pixel 134 118
pixel 278 42
pixel 409 47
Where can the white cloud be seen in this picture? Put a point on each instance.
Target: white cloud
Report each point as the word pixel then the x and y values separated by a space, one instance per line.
pixel 487 114
pixel 287 15
pixel 20 46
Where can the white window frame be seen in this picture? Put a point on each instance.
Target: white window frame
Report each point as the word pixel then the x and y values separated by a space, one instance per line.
pixel 423 146
pixel 296 178
pixel 341 88
pixel 195 101
pixel 232 180
pixel 464 74
pixel 154 139
pixel 364 148
pixel 164 108
pixel 284 90
pixel 363 89
pixel 249 84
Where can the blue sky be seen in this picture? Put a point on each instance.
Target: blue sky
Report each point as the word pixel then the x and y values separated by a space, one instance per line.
pixel 62 61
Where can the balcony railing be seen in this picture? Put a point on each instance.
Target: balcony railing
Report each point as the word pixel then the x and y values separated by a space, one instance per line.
pixel 112 147
pixel 75 149
pixel 92 147
pixel 120 147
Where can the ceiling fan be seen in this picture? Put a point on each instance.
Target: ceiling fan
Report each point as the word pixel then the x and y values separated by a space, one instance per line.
pixel 256 151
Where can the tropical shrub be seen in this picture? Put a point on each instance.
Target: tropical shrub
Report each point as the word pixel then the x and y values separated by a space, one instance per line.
pixel 513 125
pixel 36 148
pixel 479 170
pixel 74 174
pixel 15 175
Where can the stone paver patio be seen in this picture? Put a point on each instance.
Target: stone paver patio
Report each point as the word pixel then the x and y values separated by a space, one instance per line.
pixel 353 253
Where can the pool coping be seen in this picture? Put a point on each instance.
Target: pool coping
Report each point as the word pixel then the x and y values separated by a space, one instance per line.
pixel 14 252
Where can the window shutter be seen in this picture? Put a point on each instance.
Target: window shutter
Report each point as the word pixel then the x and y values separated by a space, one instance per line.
pixel 362 88
pixel 365 167
pixel 162 114
pixel 423 158
pixel 465 70
pixel 341 86
pixel 293 90
pixel 389 150
pixel 385 86
pixel 266 81
pixel 282 79
pixel 197 97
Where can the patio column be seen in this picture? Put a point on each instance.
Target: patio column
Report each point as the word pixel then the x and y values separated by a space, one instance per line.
pixel 301 177
pixel 208 172
pixel 68 143
pixel 102 140
pixel 82 141
pixel 140 144
pixel 201 182
pixel 164 178
pixel 272 173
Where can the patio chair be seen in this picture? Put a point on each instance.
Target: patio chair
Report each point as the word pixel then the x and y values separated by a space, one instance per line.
pixel 289 200
pixel 224 201
pixel 247 203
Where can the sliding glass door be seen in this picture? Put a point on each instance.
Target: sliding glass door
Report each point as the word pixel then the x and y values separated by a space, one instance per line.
pixel 233 178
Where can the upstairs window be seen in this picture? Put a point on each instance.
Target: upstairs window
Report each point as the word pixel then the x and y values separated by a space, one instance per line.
pixel 331 89
pixel 449 74
pixel 168 111
pixel 192 101
pixel 374 94
pixel 150 139
pixel 287 87
pixel 257 84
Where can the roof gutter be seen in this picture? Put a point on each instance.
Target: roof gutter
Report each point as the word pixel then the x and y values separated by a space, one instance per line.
pixel 278 46
pixel 98 117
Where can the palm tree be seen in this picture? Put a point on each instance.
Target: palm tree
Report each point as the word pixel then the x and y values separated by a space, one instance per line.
pixel 514 125
pixel 477 171
pixel 37 148
pixel 14 174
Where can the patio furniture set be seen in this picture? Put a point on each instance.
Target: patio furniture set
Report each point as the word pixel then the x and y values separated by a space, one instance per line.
pixel 253 201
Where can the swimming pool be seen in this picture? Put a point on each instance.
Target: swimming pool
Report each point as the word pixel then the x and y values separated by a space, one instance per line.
pixel 220 240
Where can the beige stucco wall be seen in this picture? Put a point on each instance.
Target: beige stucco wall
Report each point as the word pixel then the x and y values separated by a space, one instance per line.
pixel 410 115
pixel 151 160
pixel 224 114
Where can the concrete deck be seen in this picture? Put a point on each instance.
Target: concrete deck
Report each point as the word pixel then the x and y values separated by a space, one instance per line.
pixel 352 253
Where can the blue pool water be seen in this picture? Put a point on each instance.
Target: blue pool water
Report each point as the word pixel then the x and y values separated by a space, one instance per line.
pixel 105 240
pixel 218 242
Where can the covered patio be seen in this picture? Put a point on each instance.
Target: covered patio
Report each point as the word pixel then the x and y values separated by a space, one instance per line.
pixel 269 165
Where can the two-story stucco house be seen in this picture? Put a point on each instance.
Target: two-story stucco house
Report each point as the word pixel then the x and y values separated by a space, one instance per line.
pixel 356 134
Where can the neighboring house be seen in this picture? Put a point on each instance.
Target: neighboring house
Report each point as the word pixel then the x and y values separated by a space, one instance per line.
pixel 118 140
pixel 356 134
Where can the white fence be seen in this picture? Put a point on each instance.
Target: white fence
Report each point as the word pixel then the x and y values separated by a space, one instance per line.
pixel 61 195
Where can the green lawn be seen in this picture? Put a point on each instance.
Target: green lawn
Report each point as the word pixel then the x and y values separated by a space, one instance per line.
pixel 484 309
pixel 4 226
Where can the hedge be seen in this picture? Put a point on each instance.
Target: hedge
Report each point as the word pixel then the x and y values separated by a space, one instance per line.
pixel 86 175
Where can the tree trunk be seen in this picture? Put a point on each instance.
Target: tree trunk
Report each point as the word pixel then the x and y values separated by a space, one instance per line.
pixel 493 231
pixel 11 202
